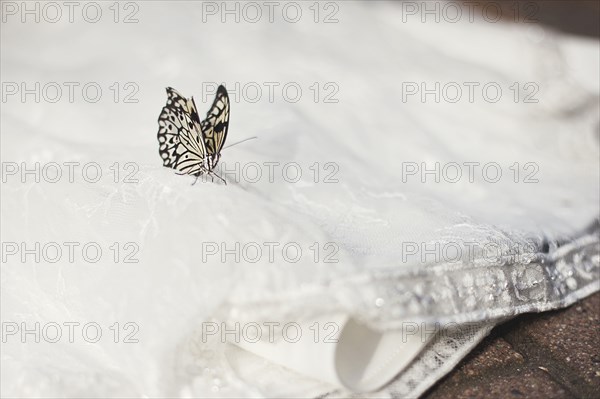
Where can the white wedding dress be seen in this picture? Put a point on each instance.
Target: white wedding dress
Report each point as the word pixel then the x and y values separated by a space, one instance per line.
pixel 402 319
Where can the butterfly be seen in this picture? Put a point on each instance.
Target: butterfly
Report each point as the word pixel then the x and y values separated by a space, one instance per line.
pixel 186 144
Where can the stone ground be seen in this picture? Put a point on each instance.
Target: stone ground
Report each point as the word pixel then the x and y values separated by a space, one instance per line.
pixel 546 355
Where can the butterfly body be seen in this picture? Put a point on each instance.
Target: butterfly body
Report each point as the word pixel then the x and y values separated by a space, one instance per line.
pixel 186 144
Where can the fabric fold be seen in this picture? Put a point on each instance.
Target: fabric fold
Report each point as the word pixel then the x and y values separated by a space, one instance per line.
pixel 342 352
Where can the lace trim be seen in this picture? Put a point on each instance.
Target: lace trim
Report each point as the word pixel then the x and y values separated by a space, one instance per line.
pixel 468 294
pixel 555 276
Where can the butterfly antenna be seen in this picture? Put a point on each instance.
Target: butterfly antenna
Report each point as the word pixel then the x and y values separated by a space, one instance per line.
pixel 239 142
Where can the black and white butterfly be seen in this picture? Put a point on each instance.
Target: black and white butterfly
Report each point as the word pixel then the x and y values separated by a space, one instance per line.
pixel 185 143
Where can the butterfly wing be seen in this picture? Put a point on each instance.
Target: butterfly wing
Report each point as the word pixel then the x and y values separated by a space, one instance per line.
pixel 215 126
pixel 181 146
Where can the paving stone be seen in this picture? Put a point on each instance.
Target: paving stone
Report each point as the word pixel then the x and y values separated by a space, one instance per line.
pixel 546 355
pixel 495 370
pixel 566 343
pixel 491 354
pixel 508 381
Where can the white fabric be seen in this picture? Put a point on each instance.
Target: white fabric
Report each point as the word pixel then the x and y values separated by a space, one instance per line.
pixel 171 293
pixel 356 357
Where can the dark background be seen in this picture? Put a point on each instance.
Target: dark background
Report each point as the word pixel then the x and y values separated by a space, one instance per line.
pixel 579 17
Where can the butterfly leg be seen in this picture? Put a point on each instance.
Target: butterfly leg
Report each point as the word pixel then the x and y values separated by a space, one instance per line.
pixel 218 177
